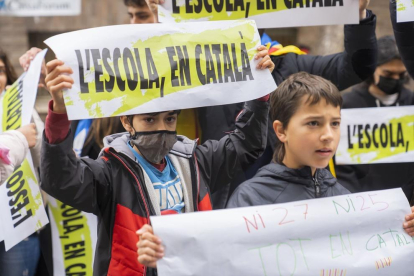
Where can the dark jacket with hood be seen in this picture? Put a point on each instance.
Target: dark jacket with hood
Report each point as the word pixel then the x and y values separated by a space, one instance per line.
pixel 350 67
pixel 113 187
pixel 404 36
pixel 276 183
pixel 369 177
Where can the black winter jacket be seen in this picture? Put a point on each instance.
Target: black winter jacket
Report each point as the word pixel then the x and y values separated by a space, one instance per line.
pixel 370 177
pixel 276 183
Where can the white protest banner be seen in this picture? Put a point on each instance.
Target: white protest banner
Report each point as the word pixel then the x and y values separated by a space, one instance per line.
pixel 376 135
pixel 159 67
pixel 357 234
pixel 40 7
pixel 266 13
pixel 405 11
pixel 21 205
pixel 74 235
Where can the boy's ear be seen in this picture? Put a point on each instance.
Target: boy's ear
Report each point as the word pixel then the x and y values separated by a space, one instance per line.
pixel 125 123
pixel 279 131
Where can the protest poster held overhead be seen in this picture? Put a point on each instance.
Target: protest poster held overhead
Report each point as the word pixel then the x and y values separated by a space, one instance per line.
pixel 405 11
pixel 159 67
pixel 376 135
pixel 359 234
pixel 21 206
pixel 266 13
pixel 40 7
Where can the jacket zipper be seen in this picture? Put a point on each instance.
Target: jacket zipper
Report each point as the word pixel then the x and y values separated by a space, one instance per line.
pixel 317 185
pixel 141 192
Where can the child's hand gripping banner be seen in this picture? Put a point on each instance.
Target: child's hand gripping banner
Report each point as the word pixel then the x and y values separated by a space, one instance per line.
pixel 133 69
pixel 266 13
pixel 21 212
pixel 358 234
pixel 376 135
pixel 405 11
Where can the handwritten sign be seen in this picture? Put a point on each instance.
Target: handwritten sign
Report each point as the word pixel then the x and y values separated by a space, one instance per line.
pixel 267 14
pixel 357 234
pixel 21 206
pixel 160 67
pixel 376 135
pixel 40 7
pixel 405 11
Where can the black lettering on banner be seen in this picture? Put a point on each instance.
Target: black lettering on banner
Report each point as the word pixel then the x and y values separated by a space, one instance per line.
pixel 210 69
pixel 14 106
pixel 173 65
pixel 184 63
pixel 247 72
pixel 129 63
pixel 74 250
pixel 217 52
pixel 84 86
pixel 152 70
pixel 96 56
pixel 109 84
pixel 237 73
pixel 142 79
pixel 228 67
pixel 200 74
pixel 18 197
pixel 119 80
pixel 376 136
pixel 78 267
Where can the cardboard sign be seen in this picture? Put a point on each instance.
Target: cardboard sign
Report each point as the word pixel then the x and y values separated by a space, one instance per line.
pixel 160 67
pixel 266 13
pixel 357 234
pixel 376 135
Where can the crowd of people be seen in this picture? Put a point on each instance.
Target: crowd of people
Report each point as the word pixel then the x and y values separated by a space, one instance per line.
pixel 274 149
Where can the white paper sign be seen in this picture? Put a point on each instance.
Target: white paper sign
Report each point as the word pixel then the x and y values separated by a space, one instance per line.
pixel 266 13
pixel 405 11
pixel 376 135
pixel 358 235
pixel 21 205
pixel 40 7
pixel 148 68
pixel 72 229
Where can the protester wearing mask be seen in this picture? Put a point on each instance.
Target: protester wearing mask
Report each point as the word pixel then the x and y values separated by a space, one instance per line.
pixel 404 35
pixel 384 88
pixel 148 171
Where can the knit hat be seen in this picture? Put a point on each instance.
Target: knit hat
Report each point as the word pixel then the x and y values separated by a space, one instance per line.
pixel 387 50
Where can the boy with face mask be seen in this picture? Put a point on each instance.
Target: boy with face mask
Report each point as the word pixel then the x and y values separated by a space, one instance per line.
pixel 145 172
pixel 384 88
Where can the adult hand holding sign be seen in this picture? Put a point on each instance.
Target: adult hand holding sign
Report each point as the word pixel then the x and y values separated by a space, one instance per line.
pixel 363 5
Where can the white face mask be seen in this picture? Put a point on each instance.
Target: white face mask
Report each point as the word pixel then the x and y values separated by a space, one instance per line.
pixel 154 145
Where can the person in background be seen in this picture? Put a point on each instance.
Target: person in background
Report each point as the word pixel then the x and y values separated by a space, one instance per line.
pixel 21 259
pixel 384 88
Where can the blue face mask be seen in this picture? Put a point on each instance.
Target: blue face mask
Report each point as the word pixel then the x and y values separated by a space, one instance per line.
pixel 154 145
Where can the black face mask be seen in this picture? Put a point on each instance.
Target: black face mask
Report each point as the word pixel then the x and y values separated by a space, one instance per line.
pixel 390 86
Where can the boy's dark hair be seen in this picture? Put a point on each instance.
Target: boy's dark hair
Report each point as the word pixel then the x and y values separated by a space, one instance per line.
pixel 285 101
pixel 130 117
pixel 135 3
pixel 10 73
